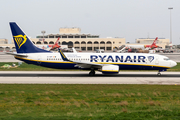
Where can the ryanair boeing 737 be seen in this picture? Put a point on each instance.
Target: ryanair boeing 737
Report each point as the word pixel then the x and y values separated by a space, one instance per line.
pixel 107 63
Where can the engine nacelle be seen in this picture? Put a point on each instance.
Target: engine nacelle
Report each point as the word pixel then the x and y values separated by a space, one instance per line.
pixel 110 69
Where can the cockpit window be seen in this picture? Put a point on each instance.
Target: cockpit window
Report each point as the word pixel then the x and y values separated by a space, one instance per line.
pixel 166 59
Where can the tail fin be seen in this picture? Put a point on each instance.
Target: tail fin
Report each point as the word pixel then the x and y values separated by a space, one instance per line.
pixel 56 43
pixel 154 43
pixel 22 42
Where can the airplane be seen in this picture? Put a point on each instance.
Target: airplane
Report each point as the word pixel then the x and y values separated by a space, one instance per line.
pixel 107 63
pixel 153 45
pixel 55 45
pixel 49 47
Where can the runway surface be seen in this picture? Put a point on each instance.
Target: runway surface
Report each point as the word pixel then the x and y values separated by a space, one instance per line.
pixel 82 77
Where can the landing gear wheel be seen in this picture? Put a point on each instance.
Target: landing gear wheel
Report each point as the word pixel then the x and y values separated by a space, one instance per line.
pixel 92 73
pixel 158 73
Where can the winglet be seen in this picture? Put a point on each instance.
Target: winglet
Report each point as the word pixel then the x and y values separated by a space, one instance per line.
pixel 62 55
pixel 74 50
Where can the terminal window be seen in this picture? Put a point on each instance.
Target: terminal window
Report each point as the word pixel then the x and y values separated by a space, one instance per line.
pixel 64 36
pixel 51 36
pixel 70 36
pixel 83 36
pixel 77 36
pixel 58 36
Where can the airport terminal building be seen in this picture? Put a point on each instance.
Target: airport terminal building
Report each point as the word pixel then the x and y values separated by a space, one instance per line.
pixel 4 46
pixel 162 42
pixel 72 37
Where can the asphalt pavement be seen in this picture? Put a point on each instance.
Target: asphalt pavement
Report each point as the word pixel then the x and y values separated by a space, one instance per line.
pixel 82 77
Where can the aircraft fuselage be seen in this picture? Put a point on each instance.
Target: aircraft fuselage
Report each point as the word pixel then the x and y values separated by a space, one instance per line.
pixel 125 61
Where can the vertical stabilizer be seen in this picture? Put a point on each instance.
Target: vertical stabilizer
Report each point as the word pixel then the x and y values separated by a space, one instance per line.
pixel 154 43
pixel 22 42
pixel 56 43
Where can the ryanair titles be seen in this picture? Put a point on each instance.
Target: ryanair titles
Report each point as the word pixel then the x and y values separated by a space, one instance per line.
pixel 109 58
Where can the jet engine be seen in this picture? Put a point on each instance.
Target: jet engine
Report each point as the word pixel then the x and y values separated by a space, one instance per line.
pixel 110 69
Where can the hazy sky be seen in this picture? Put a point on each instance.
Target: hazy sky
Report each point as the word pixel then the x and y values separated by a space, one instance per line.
pixel 108 18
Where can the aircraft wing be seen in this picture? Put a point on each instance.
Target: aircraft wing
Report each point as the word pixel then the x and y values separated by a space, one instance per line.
pixel 15 54
pixel 87 65
pixel 48 49
pixel 81 64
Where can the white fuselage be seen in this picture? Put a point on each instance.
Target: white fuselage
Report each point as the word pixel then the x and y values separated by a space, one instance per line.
pixel 123 60
pixel 136 46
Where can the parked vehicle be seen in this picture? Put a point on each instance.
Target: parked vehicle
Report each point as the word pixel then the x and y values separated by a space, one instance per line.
pixel 168 51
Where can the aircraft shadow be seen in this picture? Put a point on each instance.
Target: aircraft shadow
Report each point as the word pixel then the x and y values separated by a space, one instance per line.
pixel 85 75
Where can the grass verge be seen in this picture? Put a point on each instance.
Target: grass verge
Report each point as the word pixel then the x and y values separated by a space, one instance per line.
pixel 46 101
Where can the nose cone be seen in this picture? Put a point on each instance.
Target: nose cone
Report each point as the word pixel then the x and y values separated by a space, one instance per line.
pixel 173 63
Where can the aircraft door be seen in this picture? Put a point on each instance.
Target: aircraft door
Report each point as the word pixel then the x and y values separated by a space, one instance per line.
pixel 39 59
pixel 157 61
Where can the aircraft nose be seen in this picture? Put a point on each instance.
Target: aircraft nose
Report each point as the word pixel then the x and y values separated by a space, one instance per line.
pixel 173 63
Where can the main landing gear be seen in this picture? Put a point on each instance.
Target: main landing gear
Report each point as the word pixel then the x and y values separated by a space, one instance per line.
pixel 158 73
pixel 92 72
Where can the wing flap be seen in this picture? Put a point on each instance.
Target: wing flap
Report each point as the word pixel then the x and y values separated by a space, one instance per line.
pixel 88 65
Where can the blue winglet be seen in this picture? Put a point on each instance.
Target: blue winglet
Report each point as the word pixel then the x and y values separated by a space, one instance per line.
pixel 62 55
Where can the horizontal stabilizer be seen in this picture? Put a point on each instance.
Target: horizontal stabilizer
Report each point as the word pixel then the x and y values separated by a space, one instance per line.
pixel 15 54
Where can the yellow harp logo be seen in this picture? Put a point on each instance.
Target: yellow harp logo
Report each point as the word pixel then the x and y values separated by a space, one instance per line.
pixel 20 40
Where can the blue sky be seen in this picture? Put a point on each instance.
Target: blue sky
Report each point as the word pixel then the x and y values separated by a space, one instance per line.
pixel 131 19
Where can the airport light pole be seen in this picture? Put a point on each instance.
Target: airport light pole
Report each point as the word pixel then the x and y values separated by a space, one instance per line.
pixel 170 8
pixel 43 32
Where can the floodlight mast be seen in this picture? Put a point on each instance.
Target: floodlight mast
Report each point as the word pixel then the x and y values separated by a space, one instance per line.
pixel 43 32
pixel 170 8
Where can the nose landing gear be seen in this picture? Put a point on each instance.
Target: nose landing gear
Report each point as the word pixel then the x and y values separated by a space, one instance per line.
pixel 159 72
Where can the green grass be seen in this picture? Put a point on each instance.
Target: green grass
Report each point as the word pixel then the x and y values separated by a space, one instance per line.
pixel 176 68
pixel 26 67
pixel 30 67
pixel 108 102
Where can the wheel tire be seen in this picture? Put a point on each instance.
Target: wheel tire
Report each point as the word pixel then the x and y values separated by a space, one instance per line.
pixel 159 74
pixel 92 73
